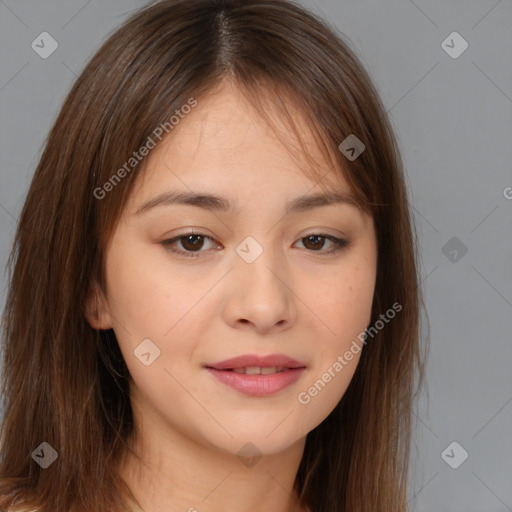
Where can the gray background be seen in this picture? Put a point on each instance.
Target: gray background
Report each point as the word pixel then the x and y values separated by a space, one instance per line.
pixel 453 119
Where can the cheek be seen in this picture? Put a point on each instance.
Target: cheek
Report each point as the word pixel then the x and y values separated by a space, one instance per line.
pixel 150 299
pixel 149 302
pixel 343 303
pixel 146 296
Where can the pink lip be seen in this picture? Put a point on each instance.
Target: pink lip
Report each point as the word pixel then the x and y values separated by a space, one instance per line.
pixel 257 385
pixel 255 360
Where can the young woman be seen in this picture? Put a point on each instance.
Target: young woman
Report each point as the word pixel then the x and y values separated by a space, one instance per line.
pixel 213 294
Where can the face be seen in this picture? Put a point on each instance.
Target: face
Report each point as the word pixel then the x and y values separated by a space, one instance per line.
pixel 253 274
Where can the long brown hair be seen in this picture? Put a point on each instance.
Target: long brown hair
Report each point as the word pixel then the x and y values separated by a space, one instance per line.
pixel 65 383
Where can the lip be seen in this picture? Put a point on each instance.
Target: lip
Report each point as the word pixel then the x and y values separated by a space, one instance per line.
pixel 257 385
pixel 256 360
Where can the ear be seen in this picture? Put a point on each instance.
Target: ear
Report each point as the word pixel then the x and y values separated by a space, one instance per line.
pixel 97 311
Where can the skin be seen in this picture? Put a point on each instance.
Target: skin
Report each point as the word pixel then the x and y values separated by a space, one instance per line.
pixel 291 300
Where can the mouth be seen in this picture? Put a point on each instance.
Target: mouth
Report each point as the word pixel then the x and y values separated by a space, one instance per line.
pixel 258 370
pixel 278 362
pixel 257 375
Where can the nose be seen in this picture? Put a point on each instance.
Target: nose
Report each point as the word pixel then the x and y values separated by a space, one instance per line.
pixel 260 296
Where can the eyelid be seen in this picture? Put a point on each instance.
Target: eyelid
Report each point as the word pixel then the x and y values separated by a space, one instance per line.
pixel 167 243
pixel 341 243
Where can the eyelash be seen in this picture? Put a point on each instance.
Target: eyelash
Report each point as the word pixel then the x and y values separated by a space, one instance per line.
pixel 340 244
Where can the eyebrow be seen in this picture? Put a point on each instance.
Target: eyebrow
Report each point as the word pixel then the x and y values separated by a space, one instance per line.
pixel 220 204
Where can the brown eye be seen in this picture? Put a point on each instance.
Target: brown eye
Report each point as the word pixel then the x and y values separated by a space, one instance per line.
pixel 316 242
pixel 192 242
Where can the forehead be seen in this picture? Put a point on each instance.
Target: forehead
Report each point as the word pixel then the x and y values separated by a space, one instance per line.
pixel 224 143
